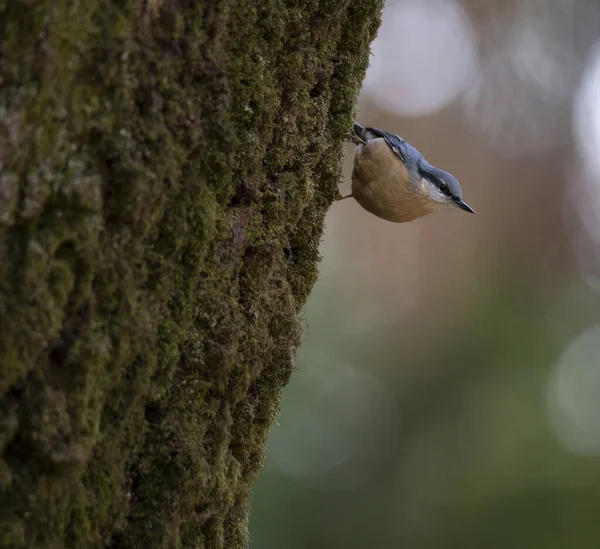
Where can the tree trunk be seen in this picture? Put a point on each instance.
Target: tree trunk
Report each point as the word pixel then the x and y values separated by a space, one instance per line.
pixel 165 168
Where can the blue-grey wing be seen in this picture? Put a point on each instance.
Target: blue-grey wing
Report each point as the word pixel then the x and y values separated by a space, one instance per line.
pixel 395 142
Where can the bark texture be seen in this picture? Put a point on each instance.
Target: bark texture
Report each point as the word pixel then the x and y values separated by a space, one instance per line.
pixel 165 168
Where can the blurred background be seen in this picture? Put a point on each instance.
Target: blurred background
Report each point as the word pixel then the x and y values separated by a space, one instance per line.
pixel 447 393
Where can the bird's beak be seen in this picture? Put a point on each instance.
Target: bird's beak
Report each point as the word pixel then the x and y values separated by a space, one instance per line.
pixel 460 203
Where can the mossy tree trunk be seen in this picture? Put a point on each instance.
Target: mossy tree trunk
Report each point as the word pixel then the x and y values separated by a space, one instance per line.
pixel 165 168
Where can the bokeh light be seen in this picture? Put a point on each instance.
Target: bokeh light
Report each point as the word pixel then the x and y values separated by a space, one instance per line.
pixel 521 94
pixel 423 57
pixel 573 389
pixel 584 192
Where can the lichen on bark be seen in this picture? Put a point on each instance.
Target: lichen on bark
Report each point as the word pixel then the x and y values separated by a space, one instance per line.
pixel 165 169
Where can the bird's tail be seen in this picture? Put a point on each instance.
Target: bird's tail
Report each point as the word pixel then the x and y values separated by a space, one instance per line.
pixel 359 130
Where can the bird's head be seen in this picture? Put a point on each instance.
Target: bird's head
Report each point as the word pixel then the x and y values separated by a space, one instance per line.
pixel 440 188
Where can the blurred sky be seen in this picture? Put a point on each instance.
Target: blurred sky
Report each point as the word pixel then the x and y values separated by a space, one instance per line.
pixel 447 392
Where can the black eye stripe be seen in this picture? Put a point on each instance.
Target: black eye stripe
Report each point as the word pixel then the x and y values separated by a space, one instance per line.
pixel 443 187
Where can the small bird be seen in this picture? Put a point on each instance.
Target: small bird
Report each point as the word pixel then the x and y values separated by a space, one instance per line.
pixel 392 180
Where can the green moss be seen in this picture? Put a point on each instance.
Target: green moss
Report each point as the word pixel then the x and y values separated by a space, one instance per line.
pixel 163 184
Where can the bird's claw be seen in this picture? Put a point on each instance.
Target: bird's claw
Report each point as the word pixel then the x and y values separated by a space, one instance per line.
pixel 340 196
pixel 353 138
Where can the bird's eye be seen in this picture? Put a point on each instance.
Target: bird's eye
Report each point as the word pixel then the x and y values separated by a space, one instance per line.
pixel 444 188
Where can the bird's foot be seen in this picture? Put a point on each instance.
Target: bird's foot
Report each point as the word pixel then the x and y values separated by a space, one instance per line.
pixel 340 196
pixel 353 138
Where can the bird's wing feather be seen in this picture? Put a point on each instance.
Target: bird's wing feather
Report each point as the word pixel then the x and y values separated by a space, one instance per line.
pixel 395 142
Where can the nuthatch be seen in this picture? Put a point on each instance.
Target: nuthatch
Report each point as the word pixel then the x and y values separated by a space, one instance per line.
pixel 392 180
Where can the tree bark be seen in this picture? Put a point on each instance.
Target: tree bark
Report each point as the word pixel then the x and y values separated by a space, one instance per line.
pixel 165 169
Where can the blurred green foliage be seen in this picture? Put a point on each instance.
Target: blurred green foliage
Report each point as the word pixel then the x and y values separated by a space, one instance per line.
pixel 469 461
